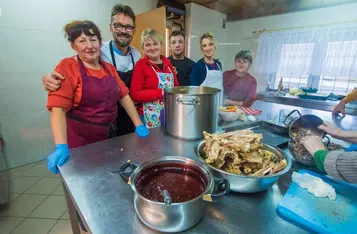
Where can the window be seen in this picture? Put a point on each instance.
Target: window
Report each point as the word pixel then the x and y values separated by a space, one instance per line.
pixel 340 58
pixel 294 62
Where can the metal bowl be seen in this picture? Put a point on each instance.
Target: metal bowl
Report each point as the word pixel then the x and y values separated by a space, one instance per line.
pixel 246 184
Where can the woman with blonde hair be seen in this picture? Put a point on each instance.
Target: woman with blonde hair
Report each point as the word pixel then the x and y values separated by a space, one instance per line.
pixel 208 70
pixel 151 75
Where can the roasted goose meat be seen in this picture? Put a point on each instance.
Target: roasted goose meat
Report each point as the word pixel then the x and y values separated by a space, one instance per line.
pixel 240 152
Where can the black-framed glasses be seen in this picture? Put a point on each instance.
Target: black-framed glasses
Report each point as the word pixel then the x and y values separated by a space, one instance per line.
pixel 119 26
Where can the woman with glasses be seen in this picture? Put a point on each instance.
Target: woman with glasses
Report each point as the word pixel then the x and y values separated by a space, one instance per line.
pixel 152 74
pixel 84 109
pixel 240 87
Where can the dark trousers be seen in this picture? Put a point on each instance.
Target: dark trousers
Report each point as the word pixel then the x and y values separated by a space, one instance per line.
pixel 124 123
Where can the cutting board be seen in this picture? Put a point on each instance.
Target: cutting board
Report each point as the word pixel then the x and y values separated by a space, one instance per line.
pixel 321 215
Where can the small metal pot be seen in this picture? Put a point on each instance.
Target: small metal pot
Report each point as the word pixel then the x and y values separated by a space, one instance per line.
pixel 168 216
pixel 247 184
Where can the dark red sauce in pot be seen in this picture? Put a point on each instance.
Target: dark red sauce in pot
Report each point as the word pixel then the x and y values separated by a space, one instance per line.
pixel 183 182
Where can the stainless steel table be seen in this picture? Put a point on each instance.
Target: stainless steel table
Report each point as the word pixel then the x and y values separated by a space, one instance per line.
pixel 105 202
pixel 305 103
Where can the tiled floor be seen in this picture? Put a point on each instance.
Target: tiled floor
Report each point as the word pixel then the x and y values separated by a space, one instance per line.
pixel 38 204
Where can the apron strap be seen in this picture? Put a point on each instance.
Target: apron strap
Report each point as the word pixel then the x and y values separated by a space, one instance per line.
pixel 113 57
pixel 112 54
pixel 83 69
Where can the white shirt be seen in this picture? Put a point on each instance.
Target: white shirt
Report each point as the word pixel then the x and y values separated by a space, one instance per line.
pixel 123 62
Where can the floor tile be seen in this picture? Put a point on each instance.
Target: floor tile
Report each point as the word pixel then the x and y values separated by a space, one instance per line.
pixel 7 225
pixel 62 227
pixel 59 190
pixel 13 196
pixel 65 216
pixel 51 175
pixel 23 205
pixel 37 170
pixel 35 226
pixel 18 171
pixel 21 184
pixel 44 186
pixel 52 208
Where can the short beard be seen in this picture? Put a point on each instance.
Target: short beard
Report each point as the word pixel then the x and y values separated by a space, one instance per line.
pixel 122 43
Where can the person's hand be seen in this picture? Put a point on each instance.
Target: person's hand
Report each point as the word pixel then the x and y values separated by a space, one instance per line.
pixel 52 81
pixel 313 144
pixel 340 108
pixel 331 129
pixel 142 131
pixel 58 157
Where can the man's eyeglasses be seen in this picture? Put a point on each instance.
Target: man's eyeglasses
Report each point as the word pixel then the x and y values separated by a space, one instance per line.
pixel 119 26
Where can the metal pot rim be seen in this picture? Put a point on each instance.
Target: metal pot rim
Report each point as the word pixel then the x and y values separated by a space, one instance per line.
pixel 286 169
pixel 176 159
pixel 211 91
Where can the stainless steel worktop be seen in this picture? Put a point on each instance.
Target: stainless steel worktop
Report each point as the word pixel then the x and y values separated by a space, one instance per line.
pixel 305 103
pixel 106 202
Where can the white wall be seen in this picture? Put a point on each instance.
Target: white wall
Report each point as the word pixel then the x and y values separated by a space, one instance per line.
pixel 202 20
pixel 241 31
pixel 31 44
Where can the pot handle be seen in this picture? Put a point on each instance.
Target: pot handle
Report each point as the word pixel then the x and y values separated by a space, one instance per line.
pixel 328 140
pixel 126 170
pixel 188 101
pixel 221 188
pixel 290 114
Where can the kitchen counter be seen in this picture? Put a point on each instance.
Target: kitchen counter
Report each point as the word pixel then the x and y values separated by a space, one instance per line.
pixel 306 103
pixel 105 202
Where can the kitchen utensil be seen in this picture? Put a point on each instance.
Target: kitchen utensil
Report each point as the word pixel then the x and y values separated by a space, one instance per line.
pixel 246 184
pixel 321 215
pixel 228 116
pixel 309 90
pixel 176 175
pixel 313 96
pixel 190 110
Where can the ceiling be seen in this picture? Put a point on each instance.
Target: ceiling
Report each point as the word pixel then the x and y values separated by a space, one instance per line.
pixel 246 9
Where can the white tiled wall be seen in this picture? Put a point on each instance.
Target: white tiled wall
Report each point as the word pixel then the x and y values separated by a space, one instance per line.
pixel 241 31
pixel 31 44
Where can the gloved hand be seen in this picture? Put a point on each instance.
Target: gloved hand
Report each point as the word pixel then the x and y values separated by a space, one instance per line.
pixel 57 157
pixel 142 131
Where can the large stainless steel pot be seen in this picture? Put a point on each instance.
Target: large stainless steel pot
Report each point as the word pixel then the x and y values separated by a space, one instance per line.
pixel 166 216
pixel 246 184
pixel 190 110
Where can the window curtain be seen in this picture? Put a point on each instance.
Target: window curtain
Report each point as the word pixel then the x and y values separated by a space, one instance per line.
pixel 329 50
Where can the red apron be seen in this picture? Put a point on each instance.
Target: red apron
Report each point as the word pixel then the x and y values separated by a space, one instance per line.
pixel 93 119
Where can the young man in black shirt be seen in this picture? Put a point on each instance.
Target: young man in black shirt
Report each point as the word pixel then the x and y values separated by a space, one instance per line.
pixel 182 64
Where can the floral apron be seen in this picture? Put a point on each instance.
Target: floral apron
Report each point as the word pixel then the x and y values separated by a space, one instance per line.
pixel 153 111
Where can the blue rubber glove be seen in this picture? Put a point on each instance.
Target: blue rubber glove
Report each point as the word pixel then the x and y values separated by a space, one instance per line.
pixel 58 157
pixel 142 131
pixel 353 147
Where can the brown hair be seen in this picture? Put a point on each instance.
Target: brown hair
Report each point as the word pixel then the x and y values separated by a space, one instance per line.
pixel 122 9
pixel 74 29
pixel 177 33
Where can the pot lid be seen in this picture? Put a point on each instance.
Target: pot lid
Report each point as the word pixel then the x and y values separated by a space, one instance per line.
pixel 192 90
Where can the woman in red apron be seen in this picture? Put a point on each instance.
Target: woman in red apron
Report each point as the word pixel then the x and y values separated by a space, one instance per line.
pixel 151 75
pixel 84 109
